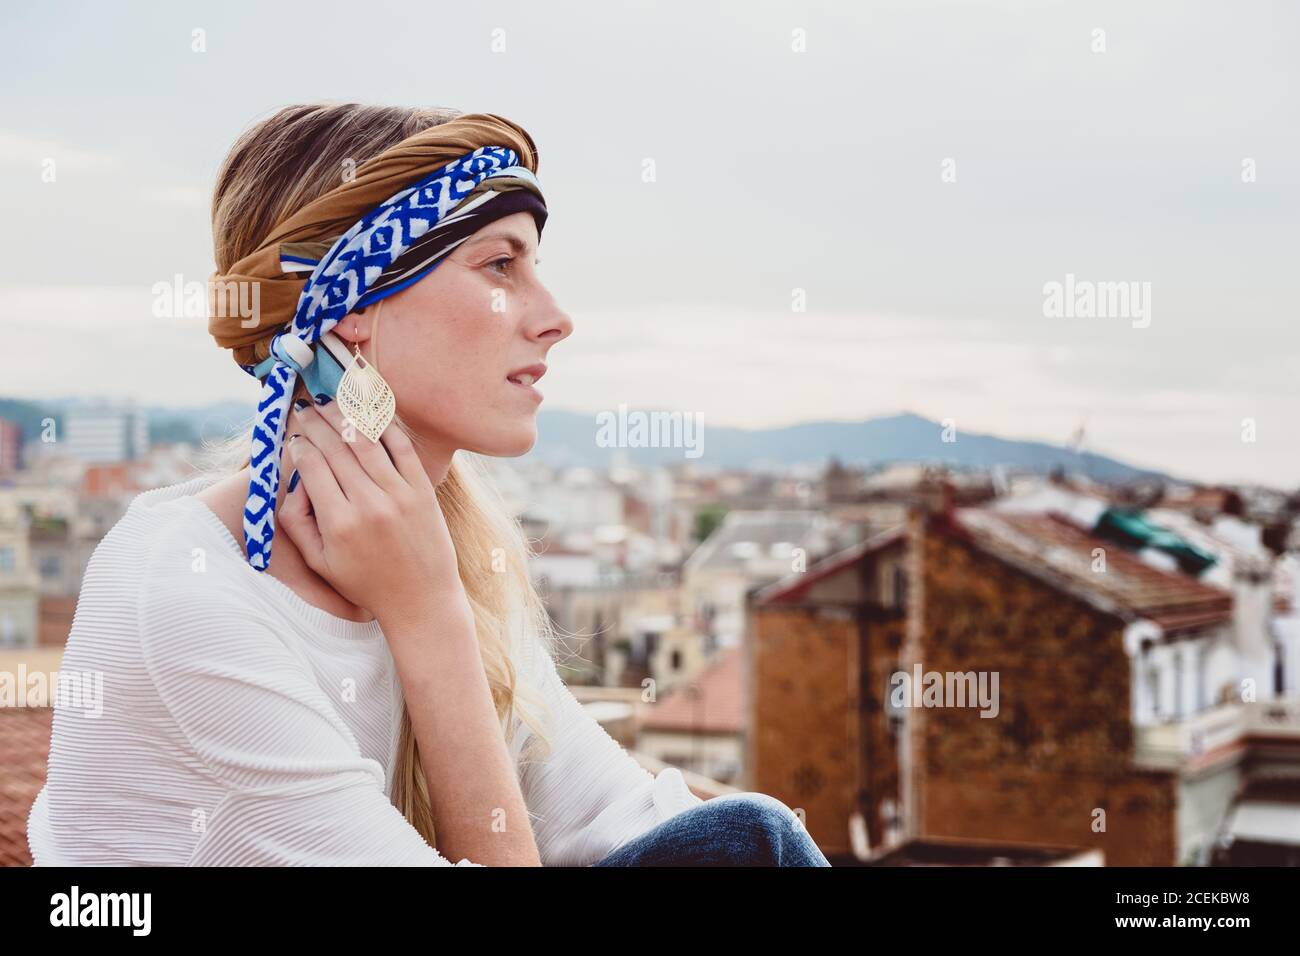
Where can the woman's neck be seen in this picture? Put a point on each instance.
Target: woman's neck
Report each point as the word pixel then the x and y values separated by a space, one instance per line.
pixel 228 496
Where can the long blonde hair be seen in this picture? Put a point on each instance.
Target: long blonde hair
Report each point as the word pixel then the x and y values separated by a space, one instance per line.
pixel 277 166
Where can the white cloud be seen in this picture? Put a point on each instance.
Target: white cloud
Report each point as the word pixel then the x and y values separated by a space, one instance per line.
pixel 27 150
pixel 189 196
pixel 731 366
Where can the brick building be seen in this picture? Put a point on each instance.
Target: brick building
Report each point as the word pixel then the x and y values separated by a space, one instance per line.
pixel 1119 725
pixel 819 649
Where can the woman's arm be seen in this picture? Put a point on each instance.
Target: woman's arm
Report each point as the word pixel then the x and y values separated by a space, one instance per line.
pixel 366 518
pixel 478 808
pixel 589 796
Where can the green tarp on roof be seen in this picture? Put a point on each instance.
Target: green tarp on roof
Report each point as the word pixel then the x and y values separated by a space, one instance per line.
pixel 1133 529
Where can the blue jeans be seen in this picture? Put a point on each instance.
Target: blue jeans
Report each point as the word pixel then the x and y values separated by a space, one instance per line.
pixel 736 829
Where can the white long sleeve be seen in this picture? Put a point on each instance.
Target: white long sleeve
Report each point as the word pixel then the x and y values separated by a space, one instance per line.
pixel 238 725
pixel 589 796
pixel 297 790
pixel 241 725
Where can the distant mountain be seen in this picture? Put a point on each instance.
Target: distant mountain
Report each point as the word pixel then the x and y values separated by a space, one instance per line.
pixel 571 438
pixel 209 422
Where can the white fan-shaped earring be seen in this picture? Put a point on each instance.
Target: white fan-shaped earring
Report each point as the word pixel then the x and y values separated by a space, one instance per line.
pixel 364 397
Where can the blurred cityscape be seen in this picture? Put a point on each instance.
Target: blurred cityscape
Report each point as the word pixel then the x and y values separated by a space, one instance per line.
pixel 757 627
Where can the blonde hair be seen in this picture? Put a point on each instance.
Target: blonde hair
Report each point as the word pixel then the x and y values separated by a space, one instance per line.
pixel 276 167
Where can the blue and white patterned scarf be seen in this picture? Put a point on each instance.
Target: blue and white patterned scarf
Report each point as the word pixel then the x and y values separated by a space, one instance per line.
pixel 339 282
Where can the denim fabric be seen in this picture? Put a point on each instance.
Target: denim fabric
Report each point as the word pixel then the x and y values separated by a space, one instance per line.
pixel 736 829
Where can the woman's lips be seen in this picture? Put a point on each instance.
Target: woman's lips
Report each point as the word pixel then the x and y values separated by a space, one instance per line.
pixel 525 377
pixel 525 383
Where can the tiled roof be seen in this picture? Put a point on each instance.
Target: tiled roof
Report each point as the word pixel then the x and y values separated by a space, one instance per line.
pixel 24 748
pixel 110 479
pixel 747 534
pixel 709 704
pixel 1059 552
pixel 795 587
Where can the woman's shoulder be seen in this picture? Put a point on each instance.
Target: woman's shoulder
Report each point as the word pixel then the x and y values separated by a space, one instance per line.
pixel 150 590
pixel 165 543
pixel 156 522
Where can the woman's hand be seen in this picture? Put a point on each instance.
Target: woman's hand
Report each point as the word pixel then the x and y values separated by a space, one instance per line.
pixel 378 535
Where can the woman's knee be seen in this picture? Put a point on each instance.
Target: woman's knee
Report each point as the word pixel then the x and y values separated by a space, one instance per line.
pixel 776 835
pixel 758 808
pixel 769 824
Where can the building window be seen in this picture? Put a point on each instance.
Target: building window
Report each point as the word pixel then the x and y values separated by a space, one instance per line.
pixel 1201 702
pixel 676 659
pixel 1178 683
pixel 8 560
pixel 1153 690
pixel 51 566
pixel 900 587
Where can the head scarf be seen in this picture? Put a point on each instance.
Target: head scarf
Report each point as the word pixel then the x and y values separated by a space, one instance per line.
pixel 367 238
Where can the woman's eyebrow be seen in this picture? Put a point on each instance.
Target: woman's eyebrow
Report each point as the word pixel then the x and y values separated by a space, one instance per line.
pixel 517 245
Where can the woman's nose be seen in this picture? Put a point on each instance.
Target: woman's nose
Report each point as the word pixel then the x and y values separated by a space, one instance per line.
pixel 551 324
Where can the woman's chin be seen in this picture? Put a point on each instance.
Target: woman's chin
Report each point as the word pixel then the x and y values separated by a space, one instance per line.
pixel 510 442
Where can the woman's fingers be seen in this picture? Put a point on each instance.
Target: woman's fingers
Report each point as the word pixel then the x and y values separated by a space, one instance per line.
pixel 403 456
pixel 316 479
pixel 348 471
pixel 296 517
pixel 373 457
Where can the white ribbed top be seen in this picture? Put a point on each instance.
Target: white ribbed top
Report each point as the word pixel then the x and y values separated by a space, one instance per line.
pixel 241 725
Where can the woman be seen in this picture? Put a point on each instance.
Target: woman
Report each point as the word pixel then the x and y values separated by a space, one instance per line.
pixel 392 667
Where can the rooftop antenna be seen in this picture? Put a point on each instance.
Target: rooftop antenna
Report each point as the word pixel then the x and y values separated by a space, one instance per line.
pixel 1076 447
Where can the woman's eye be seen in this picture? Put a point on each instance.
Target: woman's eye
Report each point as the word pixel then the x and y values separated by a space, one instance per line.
pixel 501 262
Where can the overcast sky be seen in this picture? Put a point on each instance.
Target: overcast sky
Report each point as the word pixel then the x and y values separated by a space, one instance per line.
pixel 776 169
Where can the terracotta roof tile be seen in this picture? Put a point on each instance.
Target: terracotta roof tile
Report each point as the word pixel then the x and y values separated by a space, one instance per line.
pixel 24 749
pixel 114 478
pixel 1058 551
pixel 709 704
pixel 794 587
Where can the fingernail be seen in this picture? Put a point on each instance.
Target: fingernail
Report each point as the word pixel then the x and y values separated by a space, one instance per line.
pixel 323 399
pixel 299 404
pixel 293 481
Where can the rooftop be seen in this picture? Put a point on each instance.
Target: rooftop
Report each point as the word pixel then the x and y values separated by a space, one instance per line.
pixel 795 587
pixel 746 536
pixel 709 704
pixel 24 747
pixel 1060 553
